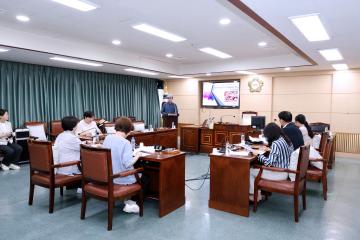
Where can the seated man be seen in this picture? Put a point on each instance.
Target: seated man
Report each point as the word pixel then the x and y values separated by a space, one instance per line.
pixel 67 146
pixel 87 127
pixel 290 129
pixel 12 151
pixel 279 156
pixel 122 156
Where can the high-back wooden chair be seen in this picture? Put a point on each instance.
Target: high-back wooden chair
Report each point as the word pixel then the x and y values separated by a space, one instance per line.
pixel 316 174
pixel 286 187
pixel 98 179
pixel 42 171
pixel 55 129
pixel 324 138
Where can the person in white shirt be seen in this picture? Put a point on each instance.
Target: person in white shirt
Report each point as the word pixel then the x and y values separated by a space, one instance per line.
pixel 87 127
pixel 12 151
pixel 307 133
pixel 67 146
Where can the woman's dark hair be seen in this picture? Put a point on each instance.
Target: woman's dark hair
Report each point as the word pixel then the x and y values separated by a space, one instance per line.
pixel 301 119
pixel 273 132
pixel 3 111
pixel 124 124
pixel 69 123
pixel 88 114
pixel 285 115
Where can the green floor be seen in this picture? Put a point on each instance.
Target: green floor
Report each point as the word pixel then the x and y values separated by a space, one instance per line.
pixel 338 218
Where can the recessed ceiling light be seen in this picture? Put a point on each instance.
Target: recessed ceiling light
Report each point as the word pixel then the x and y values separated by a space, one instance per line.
pixel 311 27
pixel 225 21
pixel 76 61
pixel 175 76
pixel 81 5
pixel 215 52
pixel 331 54
pixel 287 69
pixel 340 66
pixel 246 72
pixel 262 44
pixel 208 74
pixel 159 32
pixel 169 55
pixel 140 71
pixel 116 42
pixel 22 18
pixel 4 49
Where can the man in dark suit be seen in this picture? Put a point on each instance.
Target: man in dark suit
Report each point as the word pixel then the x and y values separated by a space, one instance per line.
pixel 290 129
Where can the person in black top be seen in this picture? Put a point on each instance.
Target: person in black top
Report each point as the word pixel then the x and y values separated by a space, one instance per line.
pixel 290 129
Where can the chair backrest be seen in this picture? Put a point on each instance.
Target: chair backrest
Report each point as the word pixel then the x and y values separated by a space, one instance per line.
pixel 246 117
pixel 55 127
pixel 40 155
pixel 303 163
pixel 323 141
pixel 109 124
pixel 327 154
pixel 96 164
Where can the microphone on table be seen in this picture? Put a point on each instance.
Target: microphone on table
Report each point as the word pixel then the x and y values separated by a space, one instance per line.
pixel 226 116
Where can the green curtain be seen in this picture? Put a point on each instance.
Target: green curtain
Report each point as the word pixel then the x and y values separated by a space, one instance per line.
pixel 41 93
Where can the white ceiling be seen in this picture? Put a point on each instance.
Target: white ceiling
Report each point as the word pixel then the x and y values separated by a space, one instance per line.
pixel 56 29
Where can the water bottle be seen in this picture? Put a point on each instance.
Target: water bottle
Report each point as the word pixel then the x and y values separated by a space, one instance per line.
pixel 173 125
pixel 242 139
pixel 133 143
pixel 151 128
pixel 227 148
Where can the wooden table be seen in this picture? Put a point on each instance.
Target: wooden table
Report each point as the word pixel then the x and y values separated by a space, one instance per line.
pixel 229 183
pixel 167 179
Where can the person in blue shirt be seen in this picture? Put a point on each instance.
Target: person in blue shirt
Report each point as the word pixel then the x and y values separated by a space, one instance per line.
pixel 169 107
pixel 122 156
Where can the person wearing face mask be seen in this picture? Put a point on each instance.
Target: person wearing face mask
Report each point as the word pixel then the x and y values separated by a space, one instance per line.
pixel 67 146
pixel 12 151
pixel 280 149
pixel 87 127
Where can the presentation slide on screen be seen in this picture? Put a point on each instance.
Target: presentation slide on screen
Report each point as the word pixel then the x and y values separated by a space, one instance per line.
pixel 224 94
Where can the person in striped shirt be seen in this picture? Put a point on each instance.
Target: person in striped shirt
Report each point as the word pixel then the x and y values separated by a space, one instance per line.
pixel 279 156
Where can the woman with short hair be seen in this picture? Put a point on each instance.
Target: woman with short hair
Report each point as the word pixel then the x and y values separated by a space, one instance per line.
pixel 67 146
pixel 122 156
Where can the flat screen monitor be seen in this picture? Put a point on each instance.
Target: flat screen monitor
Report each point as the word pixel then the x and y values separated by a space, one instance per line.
pixel 258 122
pixel 220 94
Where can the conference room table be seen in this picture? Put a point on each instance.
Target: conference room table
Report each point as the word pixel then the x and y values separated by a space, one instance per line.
pixel 229 182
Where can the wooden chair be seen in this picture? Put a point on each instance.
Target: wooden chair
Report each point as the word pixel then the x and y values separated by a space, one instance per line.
pixel 98 179
pixel 55 129
pixel 320 175
pixel 324 138
pixel 296 188
pixel 42 171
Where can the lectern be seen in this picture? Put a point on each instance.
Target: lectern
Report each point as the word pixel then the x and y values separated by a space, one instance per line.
pixel 169 119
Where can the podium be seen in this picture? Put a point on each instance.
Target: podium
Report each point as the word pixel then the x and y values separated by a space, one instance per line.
pixel 169 119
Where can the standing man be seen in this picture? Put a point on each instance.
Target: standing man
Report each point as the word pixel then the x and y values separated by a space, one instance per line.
pixel 290 129
pixel 169 112
pixel 12 151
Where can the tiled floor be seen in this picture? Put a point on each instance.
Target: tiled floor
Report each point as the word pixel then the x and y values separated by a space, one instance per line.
pixel 338 218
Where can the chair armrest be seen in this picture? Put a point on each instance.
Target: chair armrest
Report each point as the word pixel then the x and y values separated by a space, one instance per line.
pixel 127 173
pixel 67 164
pixel 274 169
